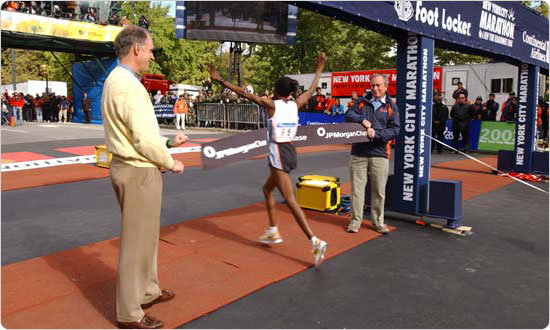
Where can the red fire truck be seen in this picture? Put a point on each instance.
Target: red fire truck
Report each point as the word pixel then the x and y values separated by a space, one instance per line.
pixel 156 82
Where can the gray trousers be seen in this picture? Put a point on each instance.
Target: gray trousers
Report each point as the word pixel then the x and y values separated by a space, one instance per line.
pixel 360 170
pixel 139 194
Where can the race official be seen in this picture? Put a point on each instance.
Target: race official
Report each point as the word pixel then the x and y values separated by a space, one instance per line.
pixel 379 115
pixel 139 151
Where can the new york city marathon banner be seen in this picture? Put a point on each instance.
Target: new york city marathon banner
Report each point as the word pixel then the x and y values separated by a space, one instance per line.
pixel 499 27
pixel 344 83
pixel 247 145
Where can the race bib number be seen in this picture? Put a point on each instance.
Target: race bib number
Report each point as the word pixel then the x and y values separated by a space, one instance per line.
pixel 284 132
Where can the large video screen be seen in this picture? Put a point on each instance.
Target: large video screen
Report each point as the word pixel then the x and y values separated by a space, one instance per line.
pixel 244 21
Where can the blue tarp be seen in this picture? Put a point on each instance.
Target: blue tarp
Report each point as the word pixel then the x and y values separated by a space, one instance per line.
pixel 90 76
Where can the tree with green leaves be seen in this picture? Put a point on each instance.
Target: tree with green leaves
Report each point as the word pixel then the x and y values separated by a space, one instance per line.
pixel 348 47
pixel 540 6
pixel 182 61
pixel 27 66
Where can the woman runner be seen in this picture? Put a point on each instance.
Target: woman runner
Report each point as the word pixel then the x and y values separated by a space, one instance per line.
pixel 282 126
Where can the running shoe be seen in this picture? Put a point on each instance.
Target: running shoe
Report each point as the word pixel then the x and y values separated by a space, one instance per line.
pixel 271 237
pixel 318 248
pixel 383 229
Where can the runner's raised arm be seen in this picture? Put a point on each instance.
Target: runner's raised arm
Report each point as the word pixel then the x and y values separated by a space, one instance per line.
pixel 319 66
pixel 266 103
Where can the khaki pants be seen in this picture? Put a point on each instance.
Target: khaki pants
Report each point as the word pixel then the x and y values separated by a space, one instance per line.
pixel 62 113
pixel 139 194
pixel 360 169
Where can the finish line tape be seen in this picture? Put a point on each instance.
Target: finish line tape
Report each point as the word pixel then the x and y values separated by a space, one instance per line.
pixel 485 164
pixel 90 159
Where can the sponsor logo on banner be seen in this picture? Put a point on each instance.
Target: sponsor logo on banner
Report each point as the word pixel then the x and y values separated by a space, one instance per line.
pixel 540 49
pixel 342 135
pixel 321 131
pixel 433 17
pixel 211 152
pixel 247 145
pixel 49 26
pixel 495 136
pixel 404 10
pixel 497 24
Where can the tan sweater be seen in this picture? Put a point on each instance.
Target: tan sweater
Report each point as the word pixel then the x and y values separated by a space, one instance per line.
pixel 132 133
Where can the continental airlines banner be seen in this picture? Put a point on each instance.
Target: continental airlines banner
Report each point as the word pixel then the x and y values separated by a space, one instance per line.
pixel 48 26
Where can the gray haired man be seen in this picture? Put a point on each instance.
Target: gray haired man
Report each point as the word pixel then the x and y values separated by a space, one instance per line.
pixel 139 151
pixel 379 115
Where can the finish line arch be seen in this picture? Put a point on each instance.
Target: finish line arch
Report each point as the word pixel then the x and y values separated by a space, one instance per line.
pixel 504 31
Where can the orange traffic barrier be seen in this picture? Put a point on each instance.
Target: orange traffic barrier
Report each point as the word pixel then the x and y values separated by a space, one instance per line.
pixel 12 121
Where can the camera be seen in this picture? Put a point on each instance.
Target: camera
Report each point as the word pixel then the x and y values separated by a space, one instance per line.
pixel 143 22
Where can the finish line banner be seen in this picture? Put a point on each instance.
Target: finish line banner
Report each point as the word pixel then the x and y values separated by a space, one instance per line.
pixel 491 28
pixel 247 145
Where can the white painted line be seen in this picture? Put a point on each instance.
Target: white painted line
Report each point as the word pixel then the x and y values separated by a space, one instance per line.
pixel 13 130
pixel 89 159
pixel 33 164
pixel 485 164
pixel 185 150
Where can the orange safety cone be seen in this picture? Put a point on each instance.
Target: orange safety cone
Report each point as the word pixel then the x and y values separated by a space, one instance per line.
pixel 12 121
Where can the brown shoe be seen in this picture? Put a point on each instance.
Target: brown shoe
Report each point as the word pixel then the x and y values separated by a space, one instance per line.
pixel 147 322
pixel 165 296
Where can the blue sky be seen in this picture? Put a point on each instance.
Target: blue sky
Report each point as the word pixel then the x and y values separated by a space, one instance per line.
pixel 172 5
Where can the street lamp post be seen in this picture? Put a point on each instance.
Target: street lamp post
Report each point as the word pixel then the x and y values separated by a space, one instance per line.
pixel 44 73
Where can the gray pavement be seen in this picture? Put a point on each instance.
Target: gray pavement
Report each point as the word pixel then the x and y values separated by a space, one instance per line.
pixel 47 132
pixel 416 277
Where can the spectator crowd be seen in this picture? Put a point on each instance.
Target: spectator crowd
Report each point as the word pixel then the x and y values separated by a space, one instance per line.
pixel 463 111
pixel 48 108
pixel 67 10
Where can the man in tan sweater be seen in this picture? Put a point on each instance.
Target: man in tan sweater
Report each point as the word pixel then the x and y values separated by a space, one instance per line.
pixel 139 151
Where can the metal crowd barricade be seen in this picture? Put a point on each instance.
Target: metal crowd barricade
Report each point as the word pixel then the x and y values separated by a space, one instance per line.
pixel 230 115
pixel 210 113
pixel 248 114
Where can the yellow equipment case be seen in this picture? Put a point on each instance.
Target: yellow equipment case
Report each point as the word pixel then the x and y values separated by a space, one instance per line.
pixel 318 195
pixel 102 156
pixel 319 178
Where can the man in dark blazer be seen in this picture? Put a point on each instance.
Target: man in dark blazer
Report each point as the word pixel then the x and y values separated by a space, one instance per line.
pixel 86 108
